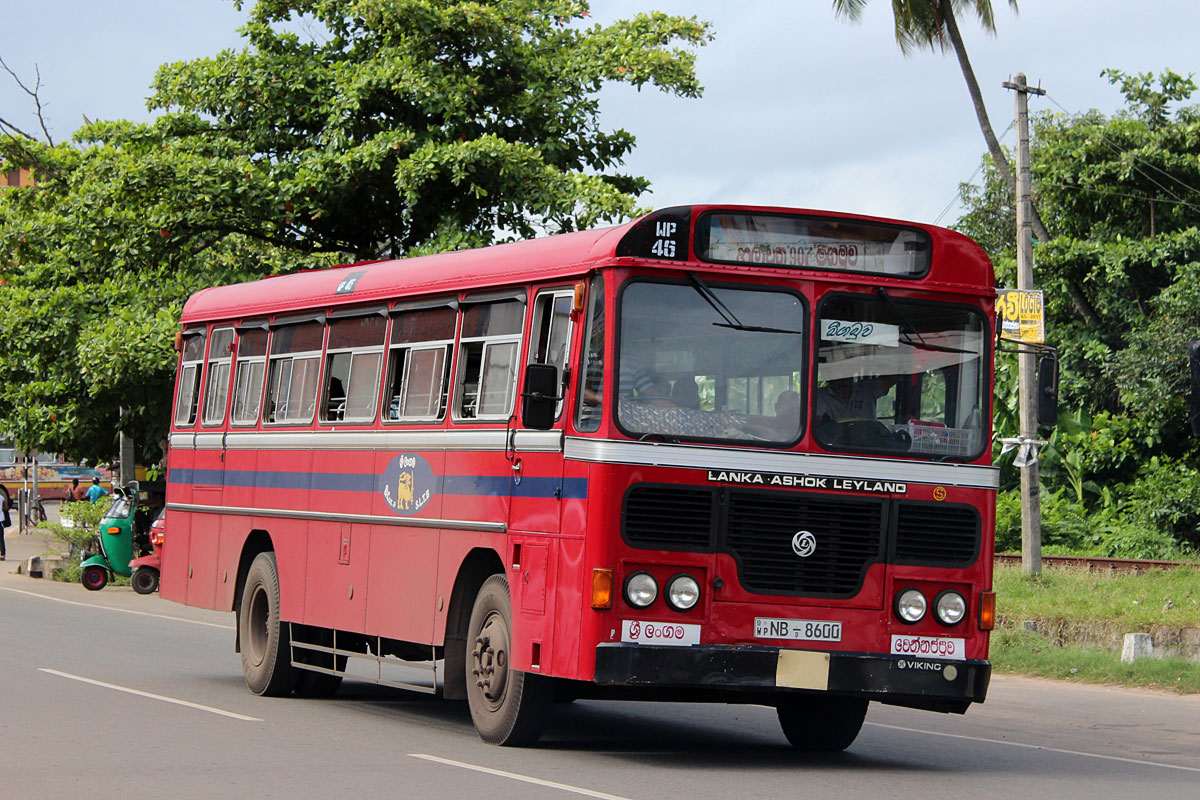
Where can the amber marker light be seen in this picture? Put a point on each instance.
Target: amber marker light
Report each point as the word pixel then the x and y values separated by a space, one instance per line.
pixel 987 611
pixel 602 589
pixel 577 303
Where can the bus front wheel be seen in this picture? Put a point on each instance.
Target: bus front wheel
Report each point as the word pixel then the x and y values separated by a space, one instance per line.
pixel 508 707
pixel 821 722
pixel 266 654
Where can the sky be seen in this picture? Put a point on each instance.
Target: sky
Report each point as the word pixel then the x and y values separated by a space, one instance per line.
pixel 800 109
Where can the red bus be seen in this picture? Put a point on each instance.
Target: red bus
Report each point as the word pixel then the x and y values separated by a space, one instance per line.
pixel 719 453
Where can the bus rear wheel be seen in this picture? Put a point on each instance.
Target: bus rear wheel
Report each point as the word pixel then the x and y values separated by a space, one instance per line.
pixel 508 707
pixel 821 722
pixel 263 639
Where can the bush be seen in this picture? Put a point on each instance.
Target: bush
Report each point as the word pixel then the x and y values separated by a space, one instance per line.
pixel 86 518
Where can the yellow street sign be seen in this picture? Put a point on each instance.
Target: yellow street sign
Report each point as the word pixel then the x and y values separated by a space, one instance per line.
pixel 1022 315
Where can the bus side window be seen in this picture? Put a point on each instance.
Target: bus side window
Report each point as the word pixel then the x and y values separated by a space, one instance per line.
pixel 489 344
pixel 591 376
pixel 419 364
pixel 552 333
pixel 189 378
pixel 216 390
pixel 354 354
pixel 248 376
pixel 292 382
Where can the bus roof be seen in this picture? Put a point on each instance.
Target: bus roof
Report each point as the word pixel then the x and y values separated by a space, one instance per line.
pixel 957 263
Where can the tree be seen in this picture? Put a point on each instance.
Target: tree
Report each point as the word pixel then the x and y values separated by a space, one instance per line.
pixel 1124 191
pixel 405 126
pixel 447 122
pixel 929 25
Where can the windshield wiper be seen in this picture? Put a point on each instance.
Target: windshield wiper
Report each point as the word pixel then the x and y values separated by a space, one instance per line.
pixel 731 320
pixel 922 344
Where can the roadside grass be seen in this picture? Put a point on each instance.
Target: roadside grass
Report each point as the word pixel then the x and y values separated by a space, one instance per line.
pixel 1080 620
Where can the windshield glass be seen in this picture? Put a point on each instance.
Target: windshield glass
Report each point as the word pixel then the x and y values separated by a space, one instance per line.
pixel 898 375
pixel 119 509
pixel 710 362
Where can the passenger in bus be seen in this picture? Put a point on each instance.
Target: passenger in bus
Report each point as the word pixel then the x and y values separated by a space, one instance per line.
pixel 845 399
pixel 685 393
pixel 786 422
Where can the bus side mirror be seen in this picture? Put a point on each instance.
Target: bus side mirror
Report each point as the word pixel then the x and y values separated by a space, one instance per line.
pixel 1194 364
pixel 1047 391
pixel 540 395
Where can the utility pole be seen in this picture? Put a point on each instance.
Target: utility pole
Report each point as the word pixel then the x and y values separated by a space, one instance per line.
pixel 1031 500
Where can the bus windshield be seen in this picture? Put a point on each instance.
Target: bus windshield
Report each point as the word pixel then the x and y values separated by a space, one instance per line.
pixel 710 362
pixel 899 375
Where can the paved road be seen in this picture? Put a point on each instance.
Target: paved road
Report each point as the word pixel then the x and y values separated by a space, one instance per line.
pixel 113 695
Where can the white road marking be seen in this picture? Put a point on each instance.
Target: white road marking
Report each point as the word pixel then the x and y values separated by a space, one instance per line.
pixel 140 693
pixel 124 610
pixel 1038 747
pixel 525 778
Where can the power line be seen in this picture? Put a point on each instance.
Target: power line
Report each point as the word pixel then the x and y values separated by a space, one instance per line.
pixel 978 169
pixel 1118 150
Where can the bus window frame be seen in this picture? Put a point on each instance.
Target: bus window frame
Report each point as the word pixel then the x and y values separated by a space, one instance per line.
pixel 197 367
pixel 211 365
pixel 292 356
pixel 593 419
pixel 446 346
pixel 730 283
pixel 552 296
pixel 249 361
pixel 987 379
pixel 516 340
pixel 328 353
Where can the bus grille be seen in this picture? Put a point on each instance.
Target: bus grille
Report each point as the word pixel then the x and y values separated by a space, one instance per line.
pixel 761 525
pixel 669 517
pixel 940 535
pixel 756 527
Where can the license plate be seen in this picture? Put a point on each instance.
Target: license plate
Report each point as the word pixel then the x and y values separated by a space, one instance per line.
pixel 798 630
pixel 942 647
pixel 639 632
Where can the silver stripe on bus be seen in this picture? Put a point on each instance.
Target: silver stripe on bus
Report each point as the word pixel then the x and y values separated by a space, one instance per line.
pixel 404 522
pixel 525 441
pixel 660 454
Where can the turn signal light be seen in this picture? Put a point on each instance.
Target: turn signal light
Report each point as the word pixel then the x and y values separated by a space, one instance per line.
pixel 987 611
pixel 602 589
pixel 113 530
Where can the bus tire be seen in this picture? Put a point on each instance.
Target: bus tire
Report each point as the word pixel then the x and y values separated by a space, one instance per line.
pixel 266 654
pixel 508 707
pixel 821 722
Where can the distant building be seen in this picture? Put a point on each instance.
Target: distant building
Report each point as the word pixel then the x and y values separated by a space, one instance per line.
pixel 15 177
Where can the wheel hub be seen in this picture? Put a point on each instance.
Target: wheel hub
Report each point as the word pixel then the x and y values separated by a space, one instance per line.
pixel 490 659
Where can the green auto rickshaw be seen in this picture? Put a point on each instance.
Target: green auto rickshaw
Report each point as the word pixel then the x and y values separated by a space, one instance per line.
pixel 121 538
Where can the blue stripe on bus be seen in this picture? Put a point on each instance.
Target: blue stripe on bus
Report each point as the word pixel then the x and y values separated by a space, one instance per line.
pixel 467 485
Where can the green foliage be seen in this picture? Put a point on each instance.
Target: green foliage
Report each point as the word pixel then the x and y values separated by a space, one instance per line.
pixel 404 127
pixel 1122 286
pixel 85 517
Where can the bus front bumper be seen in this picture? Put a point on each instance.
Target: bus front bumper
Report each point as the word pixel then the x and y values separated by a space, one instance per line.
pixel 915 682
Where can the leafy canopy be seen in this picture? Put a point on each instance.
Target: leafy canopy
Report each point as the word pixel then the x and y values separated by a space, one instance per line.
pixel 398 127
pixel 1122 288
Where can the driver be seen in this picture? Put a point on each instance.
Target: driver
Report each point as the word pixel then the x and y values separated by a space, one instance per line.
pixel 846 399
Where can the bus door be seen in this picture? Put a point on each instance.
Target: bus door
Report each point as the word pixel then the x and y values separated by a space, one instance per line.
pixel 537 456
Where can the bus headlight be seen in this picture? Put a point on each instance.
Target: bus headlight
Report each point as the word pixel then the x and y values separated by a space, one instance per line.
pixel 949 607
pixel 911 605
pixel 683 592
pixel 641 589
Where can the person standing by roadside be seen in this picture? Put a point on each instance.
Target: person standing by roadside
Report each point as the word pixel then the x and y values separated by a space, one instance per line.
pixel 95 491
pixel 76 492
pixel 5 519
